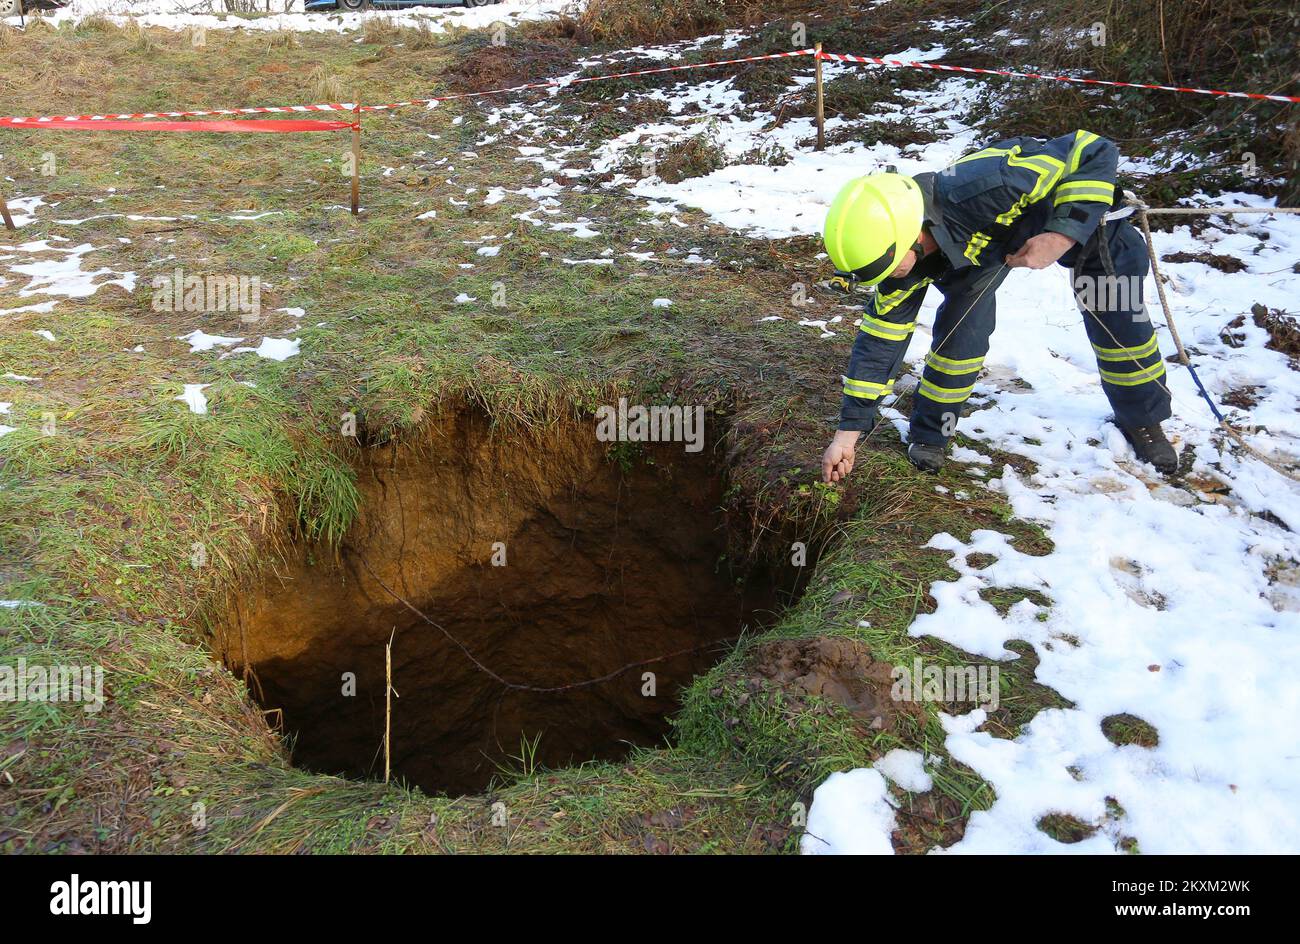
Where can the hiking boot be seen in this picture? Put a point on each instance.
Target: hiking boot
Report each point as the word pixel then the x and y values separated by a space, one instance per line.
pixel 926 457
pixel 1151 446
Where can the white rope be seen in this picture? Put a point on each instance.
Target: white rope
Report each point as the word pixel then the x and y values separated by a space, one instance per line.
pixel 1212 211
pixel 1142 212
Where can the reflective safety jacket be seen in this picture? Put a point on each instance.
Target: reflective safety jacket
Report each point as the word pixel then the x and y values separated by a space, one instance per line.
pixel 989 203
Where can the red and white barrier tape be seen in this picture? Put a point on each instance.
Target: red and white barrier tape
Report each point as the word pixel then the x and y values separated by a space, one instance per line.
pixel 564 83
pixel 56 121
pixel 900 63
pixel 104 122
pixel 266 127
pixel 41 121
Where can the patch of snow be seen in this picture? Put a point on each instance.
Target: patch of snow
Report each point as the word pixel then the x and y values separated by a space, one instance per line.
pixel 906 769
pixel 272 349
pixel 850 815
pixel 211 14
pixel 193 397
pixel 65 276
pixel 199 341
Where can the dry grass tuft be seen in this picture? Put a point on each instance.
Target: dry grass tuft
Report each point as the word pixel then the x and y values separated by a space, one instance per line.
pixel 380 30
pixel 282 39
pixel 648 21
pixel 419 36
pixel 141 41
pixel 325 86
pixel 95 23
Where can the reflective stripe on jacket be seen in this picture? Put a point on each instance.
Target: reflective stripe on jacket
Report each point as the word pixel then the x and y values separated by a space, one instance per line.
pixel 990 202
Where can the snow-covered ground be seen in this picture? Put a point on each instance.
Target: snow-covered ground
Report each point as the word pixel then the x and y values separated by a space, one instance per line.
pixel 289 15
pixel 1178 604
pixel 1174 604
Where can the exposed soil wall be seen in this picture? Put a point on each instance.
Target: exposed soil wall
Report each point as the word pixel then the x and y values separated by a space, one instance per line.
pixel 606 563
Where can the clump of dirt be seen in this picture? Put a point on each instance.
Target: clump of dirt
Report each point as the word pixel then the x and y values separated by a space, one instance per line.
pixel 1283 330
pixel 693 157
pixel 1282 327
pixel 1212 259
pixel 1242 397
pixel 926 821
pixel 893 133
pixel 1063 827
pixel 535 561
pixel 488 66
pixel 836 669
pixel 1231 333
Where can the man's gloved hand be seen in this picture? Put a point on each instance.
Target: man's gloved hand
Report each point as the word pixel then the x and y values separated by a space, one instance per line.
pixel 1040 251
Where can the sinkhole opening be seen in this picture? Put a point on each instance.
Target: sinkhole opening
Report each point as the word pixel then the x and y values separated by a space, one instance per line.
pixel 545 559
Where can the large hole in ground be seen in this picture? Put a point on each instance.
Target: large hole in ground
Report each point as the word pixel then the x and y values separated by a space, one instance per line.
pixel 612 556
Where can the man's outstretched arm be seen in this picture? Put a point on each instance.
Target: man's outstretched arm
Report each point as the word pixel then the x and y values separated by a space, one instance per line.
pixel 1080 198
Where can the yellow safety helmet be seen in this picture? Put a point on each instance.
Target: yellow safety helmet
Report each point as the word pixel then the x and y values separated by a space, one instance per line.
pixel 872 224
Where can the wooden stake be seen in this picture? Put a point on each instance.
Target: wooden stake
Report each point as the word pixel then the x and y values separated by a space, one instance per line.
pixel 356 157
pixel 388 706
pixel 821 103
pixel 4 211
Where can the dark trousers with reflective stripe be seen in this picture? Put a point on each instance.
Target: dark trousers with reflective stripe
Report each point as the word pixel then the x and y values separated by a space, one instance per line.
pixel 1107 277
pixel 962 328
pixel 1108 286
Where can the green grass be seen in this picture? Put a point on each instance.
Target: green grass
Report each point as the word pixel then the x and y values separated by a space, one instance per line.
pixel 137 522
pixel 1125 729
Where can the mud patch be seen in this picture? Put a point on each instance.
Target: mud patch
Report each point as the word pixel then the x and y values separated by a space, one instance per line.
pixel 837 669
pixel 545 560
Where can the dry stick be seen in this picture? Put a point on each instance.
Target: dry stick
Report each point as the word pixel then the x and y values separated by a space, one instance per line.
pixel 388 705
pixel 1164 48
pixel 1178 341
pixel 356 156
pixel 821 102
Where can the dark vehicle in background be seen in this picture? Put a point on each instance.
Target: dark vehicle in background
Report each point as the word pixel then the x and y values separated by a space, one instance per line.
pixel 19 7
